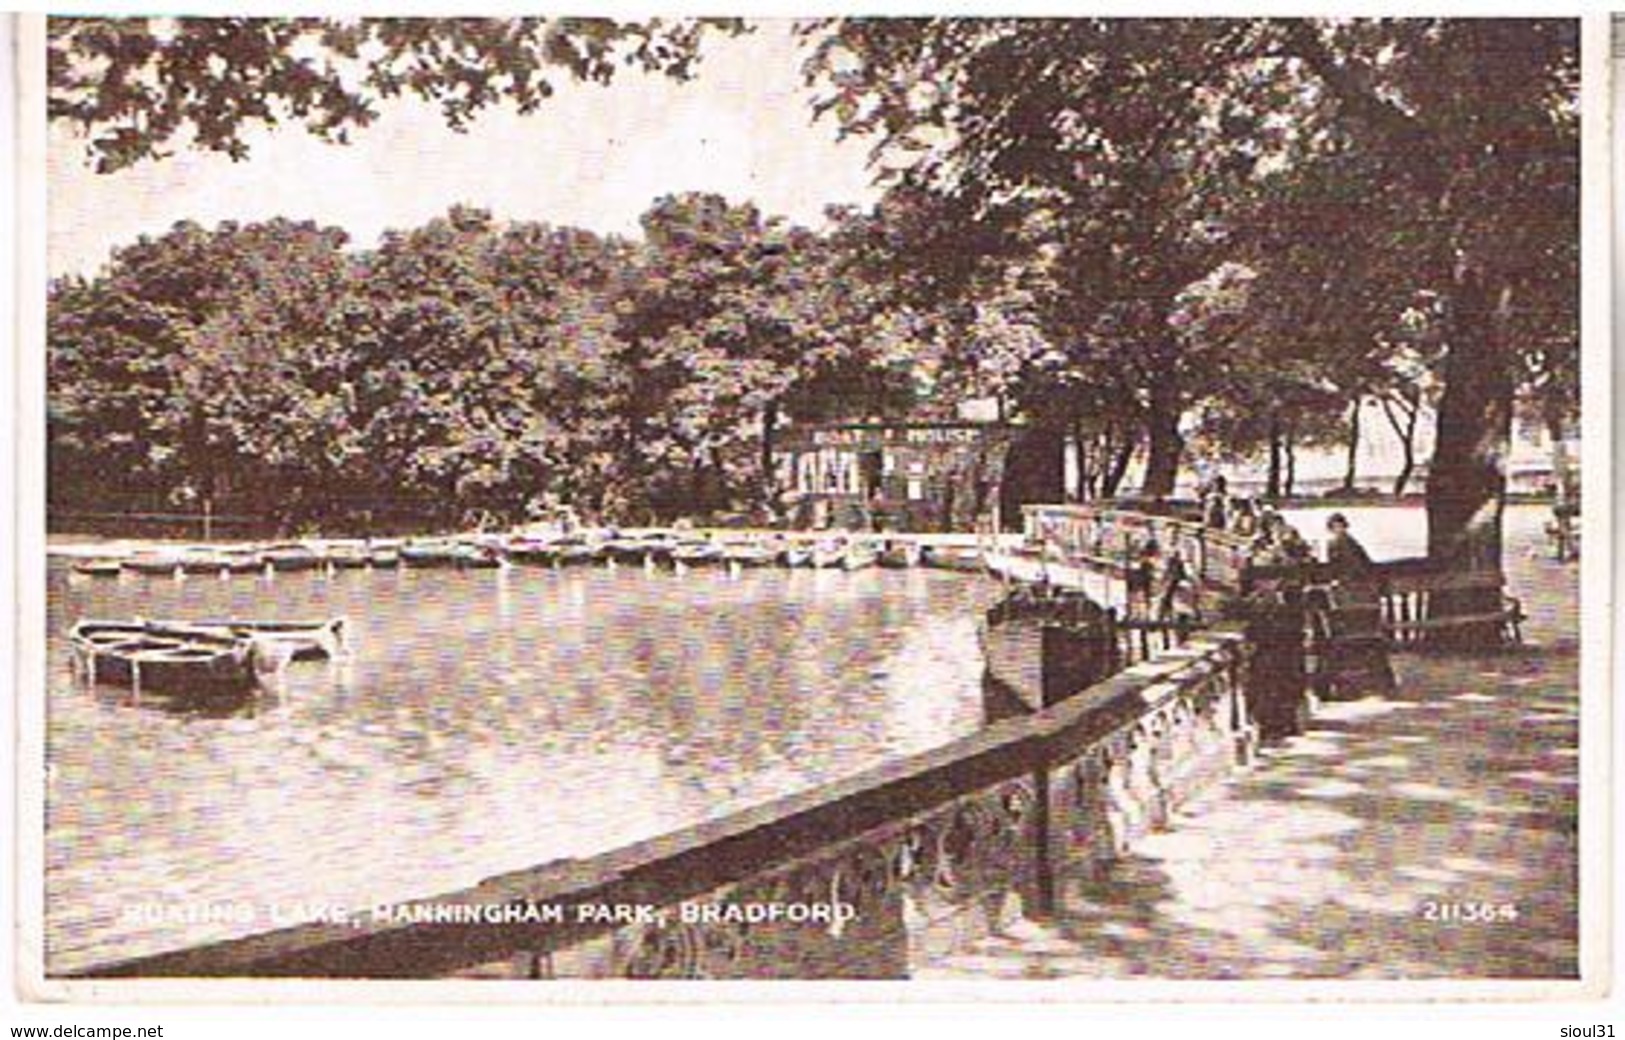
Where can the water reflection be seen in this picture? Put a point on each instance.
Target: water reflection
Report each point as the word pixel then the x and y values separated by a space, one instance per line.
pixel 481 721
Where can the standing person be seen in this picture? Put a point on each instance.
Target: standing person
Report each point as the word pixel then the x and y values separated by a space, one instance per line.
pixel 1215 510
pixel 1244 518
pixel 1174 577
pixel 1138 582
pixel 1292 546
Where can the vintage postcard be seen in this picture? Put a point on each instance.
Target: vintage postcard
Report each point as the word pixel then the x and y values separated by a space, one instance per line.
pixel 1019 507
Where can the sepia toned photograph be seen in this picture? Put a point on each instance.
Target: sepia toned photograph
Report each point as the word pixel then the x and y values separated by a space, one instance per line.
pixel 966 500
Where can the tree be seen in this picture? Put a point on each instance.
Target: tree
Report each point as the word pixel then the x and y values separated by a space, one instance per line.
pixel 1081 137
pixel 487 362
pixel 140 86
pixel 735 323
pixel 1114 164
pixel 178 364
pixel 1485 216
pixel 1382 121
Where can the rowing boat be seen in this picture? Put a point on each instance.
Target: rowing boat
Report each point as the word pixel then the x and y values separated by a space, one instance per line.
pixel 347 555
pixel 98 568
pixel 292 557
pixel 749 554
pixel 954 558
pixel 826 555
pixel 540 552
pixel 448 554
pixel 577 554
pixel 303 640
pixel 901 554
pixel 211 561
pixel 697 554
pixel 178 660
pixel 858 556
pixel 155 564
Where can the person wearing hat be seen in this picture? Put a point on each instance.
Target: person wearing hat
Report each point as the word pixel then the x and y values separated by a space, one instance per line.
pixel 1346 558
pixel 1357 658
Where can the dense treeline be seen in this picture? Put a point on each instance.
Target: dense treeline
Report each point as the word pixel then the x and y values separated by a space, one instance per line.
pixel 469 366
pixel 1151 237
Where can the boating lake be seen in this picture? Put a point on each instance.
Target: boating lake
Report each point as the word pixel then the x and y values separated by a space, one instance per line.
pixel 482 721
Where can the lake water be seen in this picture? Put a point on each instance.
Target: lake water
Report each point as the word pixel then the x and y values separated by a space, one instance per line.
pixel 490 721
pixel 482 722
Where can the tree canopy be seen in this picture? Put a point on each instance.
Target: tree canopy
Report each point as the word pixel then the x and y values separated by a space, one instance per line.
pixel 140 86
pixel 467 365
pixel 1138 235
pixel 1352 169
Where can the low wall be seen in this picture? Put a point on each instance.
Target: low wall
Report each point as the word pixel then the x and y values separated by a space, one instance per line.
pixel 931 852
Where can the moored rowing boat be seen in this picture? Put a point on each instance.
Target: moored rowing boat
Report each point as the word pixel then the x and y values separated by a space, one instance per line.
pixel 292 557
pixel 192 663
pixel 449 554
pixel 900 554
pixel 347 555
pixel 153 564
pixel 697 554
pixel 303 640
pixel 954 558
pixel 826 555
pixel 858 556
pixel 577 554
pixel 749 554
pixel 98 568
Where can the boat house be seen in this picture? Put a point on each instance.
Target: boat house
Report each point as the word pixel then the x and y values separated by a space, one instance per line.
pixel 897 476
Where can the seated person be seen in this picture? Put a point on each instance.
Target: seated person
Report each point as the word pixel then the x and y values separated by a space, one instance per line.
pixel 1346 558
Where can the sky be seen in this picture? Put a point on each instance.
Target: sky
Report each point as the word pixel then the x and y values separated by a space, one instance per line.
pixel 592 156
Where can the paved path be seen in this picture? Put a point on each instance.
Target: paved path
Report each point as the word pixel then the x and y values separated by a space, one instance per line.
pixel 1322 860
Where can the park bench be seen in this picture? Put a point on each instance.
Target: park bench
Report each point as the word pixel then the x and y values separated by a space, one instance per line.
pixel 1408 594
pixel 1563 534
pixel 1406 591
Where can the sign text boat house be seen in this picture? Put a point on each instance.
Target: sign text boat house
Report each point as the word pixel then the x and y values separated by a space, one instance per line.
pixel 899 476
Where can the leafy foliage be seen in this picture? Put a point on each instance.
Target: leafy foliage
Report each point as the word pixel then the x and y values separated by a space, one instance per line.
pixel 484 368
pixel 138 86
pixel 1144 233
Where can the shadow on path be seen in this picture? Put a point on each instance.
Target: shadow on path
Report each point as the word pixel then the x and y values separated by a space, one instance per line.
pixel 1357 849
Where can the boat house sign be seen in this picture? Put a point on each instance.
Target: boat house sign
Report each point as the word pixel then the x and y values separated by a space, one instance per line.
pixel 924 476
pixel 875 437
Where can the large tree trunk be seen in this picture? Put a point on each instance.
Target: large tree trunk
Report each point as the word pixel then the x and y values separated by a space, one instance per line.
pixel 1556 421
pixel 1351 469
pixel 1165 442
pixel 1466 490
pixel 1289 450
pixel 1034 472
pixel 1272 484
pixel 770 424
pixel 1406 433
pixel 1117 469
